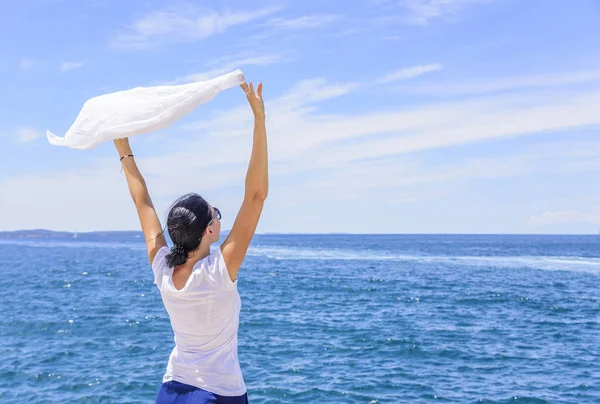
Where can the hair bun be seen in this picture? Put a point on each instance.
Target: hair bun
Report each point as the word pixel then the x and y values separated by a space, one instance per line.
pixel 178 249
pixel 177 256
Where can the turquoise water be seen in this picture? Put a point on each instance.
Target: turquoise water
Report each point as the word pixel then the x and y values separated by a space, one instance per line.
pixel 353 319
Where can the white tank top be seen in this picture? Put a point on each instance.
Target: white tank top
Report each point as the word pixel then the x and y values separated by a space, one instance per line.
pixel 205 317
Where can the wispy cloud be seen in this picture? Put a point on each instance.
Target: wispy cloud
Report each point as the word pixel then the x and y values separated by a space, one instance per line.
pixel 183 25
pixel 525 82
pixel 311 91
pixel 230 64
pixel 421 12
pixel 561 217
pixel 27 134
pixel 349 32
pixel 411 178
pixel 306 22
pixel 410 72
pixel 27 64
pixel 344 152
pixel 288 110
pixel 66 66
pixel 301 131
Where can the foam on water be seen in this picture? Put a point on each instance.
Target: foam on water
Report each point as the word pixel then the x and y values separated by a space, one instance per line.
pixel 549 263
pixel 72 244
pixel 543 262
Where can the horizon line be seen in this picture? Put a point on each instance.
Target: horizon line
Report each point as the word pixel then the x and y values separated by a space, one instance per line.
pixel 317 234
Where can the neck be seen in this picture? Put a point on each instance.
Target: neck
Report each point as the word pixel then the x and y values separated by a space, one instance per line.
pixel 201 252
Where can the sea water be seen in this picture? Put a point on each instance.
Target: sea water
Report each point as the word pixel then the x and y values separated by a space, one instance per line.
pixel 325 319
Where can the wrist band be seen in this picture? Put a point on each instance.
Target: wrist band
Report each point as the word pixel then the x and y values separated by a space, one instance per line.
pixel 129 155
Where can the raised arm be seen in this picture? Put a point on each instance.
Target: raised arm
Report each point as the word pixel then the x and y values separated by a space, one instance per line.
pixel 151 227
pixel 257 186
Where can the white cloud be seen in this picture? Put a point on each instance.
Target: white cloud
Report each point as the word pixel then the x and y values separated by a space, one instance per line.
pixel 288 110
pixel 552 218
pixel 303 140
pixel 410 72
pixel 185 24
pixel 26 134
pixel 230 65
pixel 455 123
pixel 507 84
pixel 100 187
pixel 313 90
pixel 349 32
pixel 232 61
pixel 82 189
pixel 306 22
pixel 66 66
pixel 351 176
pixel 344 151
pixel 420 12
pixel 562 217
pixel 27 64
pixel 299 130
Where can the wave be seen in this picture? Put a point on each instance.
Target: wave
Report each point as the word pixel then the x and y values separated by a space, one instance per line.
pixel 73 244
pixel 549 263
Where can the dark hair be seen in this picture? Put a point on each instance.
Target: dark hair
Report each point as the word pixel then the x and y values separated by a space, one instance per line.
pixel 186 223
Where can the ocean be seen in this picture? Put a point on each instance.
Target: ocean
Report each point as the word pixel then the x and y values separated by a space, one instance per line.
pixel 367 319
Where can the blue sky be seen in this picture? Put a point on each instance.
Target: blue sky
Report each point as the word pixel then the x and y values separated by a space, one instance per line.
pixel 384 116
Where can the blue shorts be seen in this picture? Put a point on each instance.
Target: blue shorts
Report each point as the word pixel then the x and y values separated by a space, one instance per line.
pixel 179 393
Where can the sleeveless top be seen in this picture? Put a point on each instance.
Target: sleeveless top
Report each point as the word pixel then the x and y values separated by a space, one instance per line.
pixel 205 317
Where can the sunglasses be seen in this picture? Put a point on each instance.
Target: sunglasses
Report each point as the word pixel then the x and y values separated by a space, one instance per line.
pixel 217 215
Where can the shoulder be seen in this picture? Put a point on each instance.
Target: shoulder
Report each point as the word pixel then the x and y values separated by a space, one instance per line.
pixel 161 257
pixel 215 267
pixel 159 264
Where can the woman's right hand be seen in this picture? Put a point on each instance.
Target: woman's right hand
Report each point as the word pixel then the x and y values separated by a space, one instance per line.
pixel 255 99
pixel 122 146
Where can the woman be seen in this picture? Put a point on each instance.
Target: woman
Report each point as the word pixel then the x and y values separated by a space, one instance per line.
pixel 199 289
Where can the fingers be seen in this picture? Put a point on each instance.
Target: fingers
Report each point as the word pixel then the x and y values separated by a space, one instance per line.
pixel 249 89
